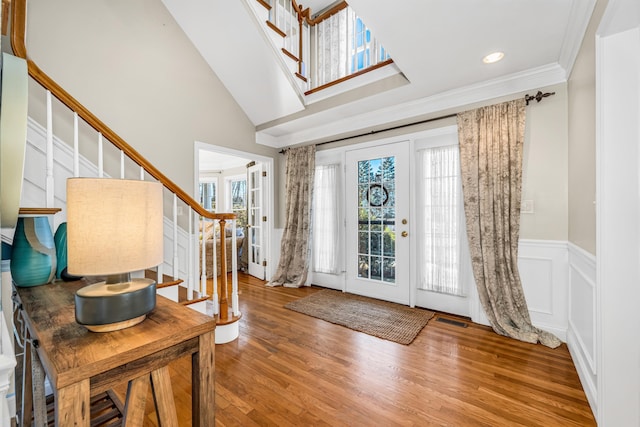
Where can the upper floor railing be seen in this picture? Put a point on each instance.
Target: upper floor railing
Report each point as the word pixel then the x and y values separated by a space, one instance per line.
pixel 329 48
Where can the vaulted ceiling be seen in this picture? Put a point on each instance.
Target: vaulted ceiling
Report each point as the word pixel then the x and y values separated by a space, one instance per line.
pixel 437 47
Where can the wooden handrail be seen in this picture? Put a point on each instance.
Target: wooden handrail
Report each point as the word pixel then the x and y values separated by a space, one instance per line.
pixel 306 13
pixel 18 32
pixel 350 76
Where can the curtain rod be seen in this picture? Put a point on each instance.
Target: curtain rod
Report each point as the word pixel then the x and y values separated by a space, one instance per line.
pixel 538 97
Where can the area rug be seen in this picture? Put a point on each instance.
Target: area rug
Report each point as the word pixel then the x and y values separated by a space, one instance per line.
pixel 386 320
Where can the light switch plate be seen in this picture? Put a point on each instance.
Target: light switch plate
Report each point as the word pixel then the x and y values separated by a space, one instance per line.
pixel 526 207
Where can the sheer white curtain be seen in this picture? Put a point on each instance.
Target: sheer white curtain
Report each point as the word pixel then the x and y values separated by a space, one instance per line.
pixel 442 220
pixel 325 219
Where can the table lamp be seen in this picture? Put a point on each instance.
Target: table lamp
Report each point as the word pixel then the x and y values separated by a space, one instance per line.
pixel 114 227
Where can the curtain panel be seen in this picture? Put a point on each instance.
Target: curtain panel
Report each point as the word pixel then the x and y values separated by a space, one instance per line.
pixel 441 205
pixel 326 225
pixel 294 249
pixel 491 144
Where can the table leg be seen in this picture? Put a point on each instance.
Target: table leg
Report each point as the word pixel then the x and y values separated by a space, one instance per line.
pixel 39 398
pixel 203 382
pixel 136 401
pixel 163 396
pixel 26 408
pixel 73 406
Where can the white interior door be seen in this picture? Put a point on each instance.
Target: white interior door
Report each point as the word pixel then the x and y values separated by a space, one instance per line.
pixel 377 219
pixel 256 221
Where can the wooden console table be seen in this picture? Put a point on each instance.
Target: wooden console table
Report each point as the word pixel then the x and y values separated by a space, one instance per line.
pixel 81 364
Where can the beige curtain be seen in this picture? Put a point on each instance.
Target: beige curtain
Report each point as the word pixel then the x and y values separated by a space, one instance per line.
pixel 491 140
pixel 294 250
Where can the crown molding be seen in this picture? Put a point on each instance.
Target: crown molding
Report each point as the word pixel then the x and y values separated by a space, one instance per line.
pixel 580 15
pixel 304 130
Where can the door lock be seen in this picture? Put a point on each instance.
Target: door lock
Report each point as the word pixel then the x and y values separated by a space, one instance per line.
pixel 404 234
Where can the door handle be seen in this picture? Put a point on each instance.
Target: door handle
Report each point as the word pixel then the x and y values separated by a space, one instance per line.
pixel 404 234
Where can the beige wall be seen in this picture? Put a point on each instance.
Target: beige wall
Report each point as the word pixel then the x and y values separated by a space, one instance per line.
pixel 151 86
pixel 545 168
pixel 582 140
pixel 133 67
pixel 544 163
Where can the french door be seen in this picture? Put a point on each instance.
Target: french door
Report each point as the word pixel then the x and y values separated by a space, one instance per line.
pixel 379 216
pixel 377 222
pixel 255 221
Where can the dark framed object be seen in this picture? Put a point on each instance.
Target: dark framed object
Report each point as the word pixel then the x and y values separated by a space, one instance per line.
pixel 377 195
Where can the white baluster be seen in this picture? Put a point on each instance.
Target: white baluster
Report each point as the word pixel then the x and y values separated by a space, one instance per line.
pixel 235 305
pixel 175 237
pixel 100 156
pixel 50 184
pixel 160 278
pixel 347 51
pixel 203 261
pixel 76 147
pixel 190 282
pixel 214 276
pixel 121 164
pixel 160 269
pixel 141 173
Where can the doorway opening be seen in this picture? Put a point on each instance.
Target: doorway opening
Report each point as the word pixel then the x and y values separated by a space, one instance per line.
pixel 233 181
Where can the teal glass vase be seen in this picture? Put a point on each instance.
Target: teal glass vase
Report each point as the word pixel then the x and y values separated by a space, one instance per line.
pixel 33 254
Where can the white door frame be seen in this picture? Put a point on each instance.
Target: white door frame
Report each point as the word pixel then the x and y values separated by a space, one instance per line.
pixel 268 191
pixel 400 290
pixel 618 214
pixel 255 267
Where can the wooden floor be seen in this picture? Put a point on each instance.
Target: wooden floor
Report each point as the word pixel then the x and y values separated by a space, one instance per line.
pixel 288 369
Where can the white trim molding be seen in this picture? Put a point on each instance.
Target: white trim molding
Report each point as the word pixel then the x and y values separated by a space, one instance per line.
pixel 617 213
pixel 581 334
pixel 543 266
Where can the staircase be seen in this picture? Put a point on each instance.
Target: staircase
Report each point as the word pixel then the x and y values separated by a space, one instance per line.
pixel 179 277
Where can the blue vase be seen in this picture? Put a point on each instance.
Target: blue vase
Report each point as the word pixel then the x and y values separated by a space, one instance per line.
pixel 33 255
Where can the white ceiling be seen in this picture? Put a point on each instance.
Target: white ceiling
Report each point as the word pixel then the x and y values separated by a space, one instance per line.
pixel 437 45
pixel 209 161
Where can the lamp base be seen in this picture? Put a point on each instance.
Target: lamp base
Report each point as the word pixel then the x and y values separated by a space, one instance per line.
pixel 116 326
pixel 109 306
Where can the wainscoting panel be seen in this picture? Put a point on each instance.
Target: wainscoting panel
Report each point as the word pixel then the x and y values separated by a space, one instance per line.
pixel 581 336
pixel 543 266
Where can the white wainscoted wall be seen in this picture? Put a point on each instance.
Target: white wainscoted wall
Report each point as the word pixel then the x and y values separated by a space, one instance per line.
pixel 544 272
pixel 581 333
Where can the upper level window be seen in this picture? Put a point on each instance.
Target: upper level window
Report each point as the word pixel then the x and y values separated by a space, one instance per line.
pixel 328 47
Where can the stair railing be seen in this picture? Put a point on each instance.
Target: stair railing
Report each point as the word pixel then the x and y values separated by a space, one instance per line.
pixel 196 211
pixel 312 41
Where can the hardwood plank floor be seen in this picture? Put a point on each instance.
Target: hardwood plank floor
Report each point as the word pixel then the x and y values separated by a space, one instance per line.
pixel 288 369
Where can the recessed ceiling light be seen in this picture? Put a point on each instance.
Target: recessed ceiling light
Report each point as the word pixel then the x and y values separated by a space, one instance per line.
pixel 493 57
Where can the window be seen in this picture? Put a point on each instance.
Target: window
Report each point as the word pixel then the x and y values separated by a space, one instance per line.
pixel 208 194
pixel 442 222
pixel 325 219
pixel 343 45
pixel 237 198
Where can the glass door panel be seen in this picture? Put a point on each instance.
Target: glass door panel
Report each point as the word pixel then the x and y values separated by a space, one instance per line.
pixel 377 210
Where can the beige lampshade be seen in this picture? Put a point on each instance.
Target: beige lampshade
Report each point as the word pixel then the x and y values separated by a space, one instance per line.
pixel 114 226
